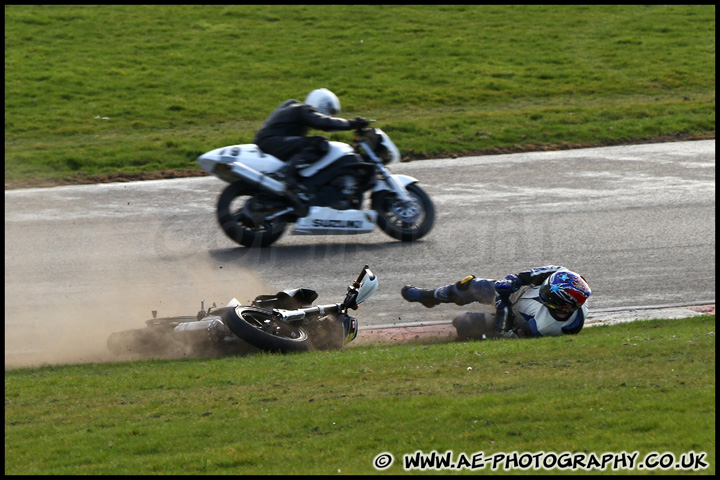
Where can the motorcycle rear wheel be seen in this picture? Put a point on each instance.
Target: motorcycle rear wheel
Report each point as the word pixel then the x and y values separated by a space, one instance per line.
pixel 258 327
pixel 248 231
pixel 405 222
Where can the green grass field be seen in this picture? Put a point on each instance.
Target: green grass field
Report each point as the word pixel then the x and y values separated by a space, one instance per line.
pixel 128 91
pixel 643 387
pixel 136 91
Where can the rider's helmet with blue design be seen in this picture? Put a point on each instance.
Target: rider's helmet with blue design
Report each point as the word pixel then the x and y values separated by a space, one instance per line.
pixel 564 292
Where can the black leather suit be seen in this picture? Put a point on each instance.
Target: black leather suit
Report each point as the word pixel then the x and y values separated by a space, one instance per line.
pixel 283 134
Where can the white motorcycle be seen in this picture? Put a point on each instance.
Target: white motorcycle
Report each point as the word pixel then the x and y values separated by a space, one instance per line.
pixel 285 322
pixel 255 209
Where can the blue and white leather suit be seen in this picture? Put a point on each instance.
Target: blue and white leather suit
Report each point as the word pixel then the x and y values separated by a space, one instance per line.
pixel 519 314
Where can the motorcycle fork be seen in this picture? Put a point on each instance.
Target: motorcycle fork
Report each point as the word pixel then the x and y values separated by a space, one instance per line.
pixel 385 175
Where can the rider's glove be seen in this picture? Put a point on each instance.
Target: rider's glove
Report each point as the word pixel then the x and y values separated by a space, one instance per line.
pixel 504 315
pixel 511 284
pixel 358 123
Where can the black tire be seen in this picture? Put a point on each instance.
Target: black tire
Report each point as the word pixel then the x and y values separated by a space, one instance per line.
pixel 257 327
pixel 405 222
pixel 238 226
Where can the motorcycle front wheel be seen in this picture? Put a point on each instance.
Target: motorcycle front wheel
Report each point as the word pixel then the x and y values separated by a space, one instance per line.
pixel 405 221
pixel 242 216
pixel 258 327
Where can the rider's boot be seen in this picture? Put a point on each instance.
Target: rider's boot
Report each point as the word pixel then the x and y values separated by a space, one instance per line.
pixel 424 296
pixel 299 202
pixel 288 175
pixel 295 191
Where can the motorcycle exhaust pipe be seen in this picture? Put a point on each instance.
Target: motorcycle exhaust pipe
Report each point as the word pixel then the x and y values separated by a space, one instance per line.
pixel 256 179
pixel 212 329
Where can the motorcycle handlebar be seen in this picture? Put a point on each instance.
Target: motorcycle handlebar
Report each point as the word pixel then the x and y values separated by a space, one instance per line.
pixel 302 313
pixel 362 275
pixel 351 297
pixel 349 302
pixel 360 130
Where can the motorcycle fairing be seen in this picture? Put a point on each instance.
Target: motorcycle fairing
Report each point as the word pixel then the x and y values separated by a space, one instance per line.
pixel 328 221
pixel 248 154
pixel 403 180
pixel 251 155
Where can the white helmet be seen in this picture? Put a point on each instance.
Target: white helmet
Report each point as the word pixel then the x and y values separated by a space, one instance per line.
pixel 324 100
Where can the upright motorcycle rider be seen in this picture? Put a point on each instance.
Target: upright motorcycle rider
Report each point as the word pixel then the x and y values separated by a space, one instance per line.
pixel 283 134
pixel 542 301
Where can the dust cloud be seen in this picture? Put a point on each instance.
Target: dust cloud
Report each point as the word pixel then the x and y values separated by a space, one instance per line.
pixel 73 326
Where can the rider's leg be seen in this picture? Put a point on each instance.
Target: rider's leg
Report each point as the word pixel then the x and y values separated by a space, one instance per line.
pixel 467 290
pixel 476 326
pixel 309 151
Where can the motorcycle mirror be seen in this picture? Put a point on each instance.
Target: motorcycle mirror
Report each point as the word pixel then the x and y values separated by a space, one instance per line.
pixel 368 287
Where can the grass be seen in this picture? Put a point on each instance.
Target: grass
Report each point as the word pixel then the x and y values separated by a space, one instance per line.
pixel 647 386
pixel 136 89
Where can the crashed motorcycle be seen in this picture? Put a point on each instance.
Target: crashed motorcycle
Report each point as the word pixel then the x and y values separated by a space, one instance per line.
pixel 284 322
pixel 255 209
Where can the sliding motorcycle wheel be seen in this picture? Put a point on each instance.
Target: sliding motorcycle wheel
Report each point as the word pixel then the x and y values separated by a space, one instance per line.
pixel 405 221
pixel 258 327
pixel 242 215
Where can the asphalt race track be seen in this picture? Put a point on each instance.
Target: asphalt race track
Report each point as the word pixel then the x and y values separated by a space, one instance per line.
pixel 637 221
